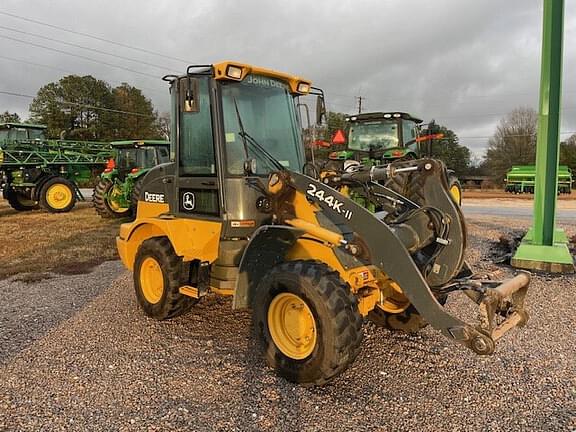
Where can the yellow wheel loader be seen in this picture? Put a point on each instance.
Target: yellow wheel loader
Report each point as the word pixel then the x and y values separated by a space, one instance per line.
pixel 233 214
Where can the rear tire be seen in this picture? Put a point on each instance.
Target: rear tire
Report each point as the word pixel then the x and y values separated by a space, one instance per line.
pixel 19 202
pixel 135 196
pixel 58 195
pixel 158 275
pixel 101 201
pixel 307 322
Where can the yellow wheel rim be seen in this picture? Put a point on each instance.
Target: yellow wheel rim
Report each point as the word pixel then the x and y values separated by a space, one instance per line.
pixel 292 326
pixel 112 202
pixel 151 280
pixel 456 195
pixel 59 196
pixel 393 299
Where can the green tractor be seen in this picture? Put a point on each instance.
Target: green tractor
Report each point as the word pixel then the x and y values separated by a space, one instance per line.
pixel 117 192
pixel 39 172
pixel 379 138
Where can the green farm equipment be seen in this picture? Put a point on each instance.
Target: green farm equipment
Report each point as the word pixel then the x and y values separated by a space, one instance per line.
pixel 40 172
pixel 380 138
pixel 117 192
pixel 521 179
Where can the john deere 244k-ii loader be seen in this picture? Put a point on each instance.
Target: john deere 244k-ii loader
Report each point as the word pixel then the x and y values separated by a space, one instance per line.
pixel 232 214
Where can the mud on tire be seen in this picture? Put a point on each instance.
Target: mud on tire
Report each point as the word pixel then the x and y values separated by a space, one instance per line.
pixel 171 302
pixel 335 311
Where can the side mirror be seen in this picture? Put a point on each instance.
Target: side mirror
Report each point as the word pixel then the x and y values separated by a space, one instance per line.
pixel 189 101
pixel 250 167
pixel 320 109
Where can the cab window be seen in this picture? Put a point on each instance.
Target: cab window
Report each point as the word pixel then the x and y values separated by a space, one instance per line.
pixel 196 139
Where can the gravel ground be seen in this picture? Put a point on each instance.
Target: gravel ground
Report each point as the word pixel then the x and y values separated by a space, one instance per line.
pixel 28 310
pixel 110 368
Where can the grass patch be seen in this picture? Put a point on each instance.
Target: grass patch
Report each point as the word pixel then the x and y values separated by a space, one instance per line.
pixel 38 242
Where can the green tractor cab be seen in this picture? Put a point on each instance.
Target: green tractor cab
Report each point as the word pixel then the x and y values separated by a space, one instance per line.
pixel 383 137
pixel 117 192
pixel 379 138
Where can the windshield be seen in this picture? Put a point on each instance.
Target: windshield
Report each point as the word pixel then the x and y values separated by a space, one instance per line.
pixel 267 110
pixel 381 134
pixel 36 134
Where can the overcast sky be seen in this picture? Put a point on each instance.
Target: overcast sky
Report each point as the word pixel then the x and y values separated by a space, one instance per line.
pixel 465 63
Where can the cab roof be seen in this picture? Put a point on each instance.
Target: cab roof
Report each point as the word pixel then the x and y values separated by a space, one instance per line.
pixel 139 143
pixel 221 71
pixel 388 115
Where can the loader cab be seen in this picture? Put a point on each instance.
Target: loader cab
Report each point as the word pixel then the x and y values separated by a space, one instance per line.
pixel 232 124
pixel 383 135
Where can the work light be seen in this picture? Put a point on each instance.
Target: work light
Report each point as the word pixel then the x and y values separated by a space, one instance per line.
pixel 234 72
pixel 303 87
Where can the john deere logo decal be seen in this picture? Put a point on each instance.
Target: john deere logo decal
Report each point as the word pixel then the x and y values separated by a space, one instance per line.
pixel 188 201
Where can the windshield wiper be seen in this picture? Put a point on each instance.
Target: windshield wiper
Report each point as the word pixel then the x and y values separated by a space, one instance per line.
pixel 247 138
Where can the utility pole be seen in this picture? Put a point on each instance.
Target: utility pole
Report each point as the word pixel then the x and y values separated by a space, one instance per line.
pixel 360 99
pixel 544 247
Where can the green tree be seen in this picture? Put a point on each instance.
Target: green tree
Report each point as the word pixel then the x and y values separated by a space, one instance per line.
pixel 8 117
pixel 334 122
pixel 142 121
pixel 513 143
pixel 76 105
pixel 568 153
pixel 448 149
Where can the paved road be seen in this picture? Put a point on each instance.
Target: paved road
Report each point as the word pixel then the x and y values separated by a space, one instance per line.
pixel 567 215
pixel 494 208
pixel 87 193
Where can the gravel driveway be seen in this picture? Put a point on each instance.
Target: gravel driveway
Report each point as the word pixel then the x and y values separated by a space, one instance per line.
pixel 110 368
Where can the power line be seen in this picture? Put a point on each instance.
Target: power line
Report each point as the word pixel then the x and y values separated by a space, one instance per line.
pixel 37 64
pixel 79 56
pixel 80 105
pixel 69 71
pixel 83 47
pixel 94 37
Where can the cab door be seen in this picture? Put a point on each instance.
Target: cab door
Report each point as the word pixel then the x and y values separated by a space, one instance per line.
pixel 197 179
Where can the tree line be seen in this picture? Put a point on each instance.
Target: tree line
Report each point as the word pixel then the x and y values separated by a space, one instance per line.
pixel 86 108
pixel 83 107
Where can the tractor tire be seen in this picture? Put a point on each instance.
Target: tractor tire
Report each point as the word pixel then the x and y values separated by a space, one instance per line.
pixel 158 275
pixel 455 189
pixel 306 301
pixel 58 195
pixel 135 196
pixel 408 321
pixel 19 202
pixel 102 204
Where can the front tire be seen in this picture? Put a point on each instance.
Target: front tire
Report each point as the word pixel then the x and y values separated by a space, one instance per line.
pixel 58 195
pixel 307 321
pixel 104 203
pixel 158 276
